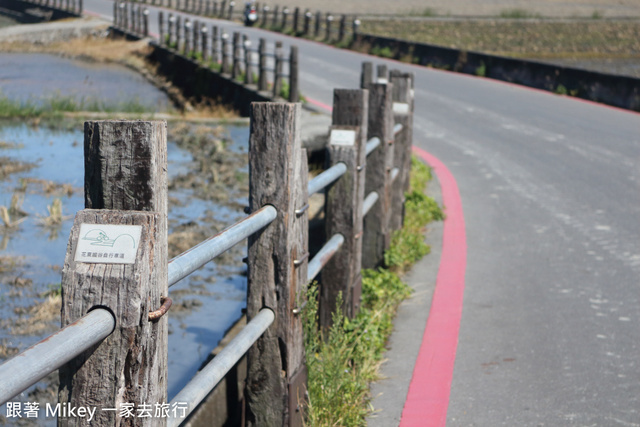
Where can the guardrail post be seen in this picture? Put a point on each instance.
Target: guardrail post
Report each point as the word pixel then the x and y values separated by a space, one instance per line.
pixel 285 14
pixel 277 265
pixel 366 77
pixel 265 13
pixel 179 42
pixel 231 5
pixel 145 19
pixel 402 114
pixel 187 37
pixel 223 7
pixel 125 187
pixel 262 67
pixel 343 206
pixel 379 165
pixel 294 91
pixel 277 77
pixel 276 13
pixel 215 55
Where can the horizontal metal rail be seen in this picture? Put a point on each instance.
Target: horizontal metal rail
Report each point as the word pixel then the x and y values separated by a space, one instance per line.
pixel 205 380
pixel 368 203
pixel 191 260
pixel 321 181
pixel 323 256
pixel 39 360
pixel 394 174
pixel 372 144
pixel 397 128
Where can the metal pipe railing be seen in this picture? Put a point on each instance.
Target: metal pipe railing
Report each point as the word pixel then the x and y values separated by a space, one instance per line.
pixel 372 144
pixel 323 256
pixel 397 128
pixel 191 260
pixel 321 181
pixel 205 380
pixel 39 360
pixel 394 174
pixel 368 203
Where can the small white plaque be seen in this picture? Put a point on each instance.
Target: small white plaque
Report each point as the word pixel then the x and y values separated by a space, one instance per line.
pixel 400 108
pixel 342 137
pixel 108 244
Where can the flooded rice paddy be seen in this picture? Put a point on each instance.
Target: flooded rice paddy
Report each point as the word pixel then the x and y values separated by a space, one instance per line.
pixel 41 189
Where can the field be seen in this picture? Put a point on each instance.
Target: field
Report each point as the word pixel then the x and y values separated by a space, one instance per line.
pixel 460 8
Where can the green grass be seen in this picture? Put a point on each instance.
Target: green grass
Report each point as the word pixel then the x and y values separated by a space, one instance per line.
pixel 518 14
pixel 342 361
pixel 55 106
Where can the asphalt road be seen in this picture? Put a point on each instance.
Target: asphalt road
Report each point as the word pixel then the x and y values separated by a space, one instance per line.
pixel 550 188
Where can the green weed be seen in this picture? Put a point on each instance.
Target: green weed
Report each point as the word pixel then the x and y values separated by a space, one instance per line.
pixel 518 14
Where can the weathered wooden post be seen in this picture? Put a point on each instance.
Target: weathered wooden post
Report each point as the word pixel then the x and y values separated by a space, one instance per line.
pixel 207 8
pixel 204 43
pixel 355 28
pixel 307 22
pixel 225 53
pixel 296 18
pixel 215 52
pixel 235 71
pixel 343 206
pixel 276 14
pixel 248 70
pixel 285 14
pixel 179 42
pixel 262 70
pixel 231 5
pixel 215 12
pixel 294 91
pixel 277 73
pixel 196 38
pixel 277 265
pixel 265 13
pixel 379 165
pixel 187 37
pixel 117 258
pixel 383 75
pixel 366 77
pixel 343 28
pixel 172 32
pixel 116 17
pixel 163 42
pixel 125 15
pixel 145 22
pixel 316 32
pixel 327 24
pixel 402 114
pixel 223 7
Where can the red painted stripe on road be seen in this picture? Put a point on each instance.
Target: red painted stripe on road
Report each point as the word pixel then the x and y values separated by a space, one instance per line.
pixel 428 397
pixel 319 104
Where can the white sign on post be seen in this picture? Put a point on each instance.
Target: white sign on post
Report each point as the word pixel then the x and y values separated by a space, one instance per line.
pixel 108 244
pixel 342 137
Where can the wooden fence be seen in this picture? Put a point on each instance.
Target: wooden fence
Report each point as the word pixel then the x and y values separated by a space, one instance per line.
pixel 235 57
pixel 116 266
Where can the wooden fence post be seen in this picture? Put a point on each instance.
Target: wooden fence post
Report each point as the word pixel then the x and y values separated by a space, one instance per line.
pixel 277 265
pixel 204 42
pixel 277 78
pixel 179 42
pixel 223 7
pixel 225 53
pixel 307 22
pixel 294 91
pixel 276 14
pixel 316 32
pixel 379 164
pixel 265 13
pixel 215 53
pixel 161 28
pixel 248 71
pixel 296 20
pixel 231 5
pixel 285 14
pixel 187 37
pixel 145 20
pixel 383 76
pixel 343 28
pixel 366 77
pixel 196 39
pixel 328 22
pixel 126 187
pixel 235 70
pixel 343 206
pixel 403 114
pixel 262 70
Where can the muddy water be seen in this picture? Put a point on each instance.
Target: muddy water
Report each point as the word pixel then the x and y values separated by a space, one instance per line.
pixel 36 77
pixel 32 253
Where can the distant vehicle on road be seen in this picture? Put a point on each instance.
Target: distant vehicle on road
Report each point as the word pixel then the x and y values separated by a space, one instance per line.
pixel 250 14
